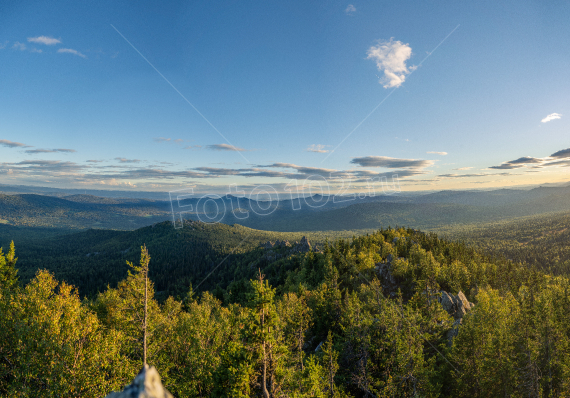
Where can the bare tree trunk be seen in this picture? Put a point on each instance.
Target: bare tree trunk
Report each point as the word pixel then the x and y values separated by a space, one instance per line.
pixel 264 383
pixel 145 314
pixel 331 380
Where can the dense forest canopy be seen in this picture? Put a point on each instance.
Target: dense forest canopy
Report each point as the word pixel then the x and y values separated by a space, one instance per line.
pixel 355 318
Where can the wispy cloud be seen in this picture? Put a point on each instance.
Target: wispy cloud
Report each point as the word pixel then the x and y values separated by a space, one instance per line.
pixel 124 160
pixel 164 139
pixel 225 147
pixel 526 160
pixel 12 144
pixel 194 147
pixel 564 153
pixel 391 163
pixel 391 57
pixel 71 51
pixel 3 45
pixel 48 41
pixel 506 166
pixel 61 150
pixel 550 117
pixel 471 175
pixel 318 148
pixel 19 46
pixel 559 158
pixel 463 168
pixel 350 10
pixel 437 153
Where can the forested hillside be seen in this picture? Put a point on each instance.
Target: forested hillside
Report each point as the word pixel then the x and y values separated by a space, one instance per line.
pixel 365 317
pixel 91 260
pixel 80 212
pixel 542 242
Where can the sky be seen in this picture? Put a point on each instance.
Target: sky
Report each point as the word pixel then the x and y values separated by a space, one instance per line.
pixel 323 95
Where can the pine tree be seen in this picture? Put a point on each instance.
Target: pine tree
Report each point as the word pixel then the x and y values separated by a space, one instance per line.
pixel 8 271
pixel 330 364
pixel 264 337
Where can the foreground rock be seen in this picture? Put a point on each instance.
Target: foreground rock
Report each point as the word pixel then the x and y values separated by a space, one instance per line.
pixel 457 307
pixel 147 384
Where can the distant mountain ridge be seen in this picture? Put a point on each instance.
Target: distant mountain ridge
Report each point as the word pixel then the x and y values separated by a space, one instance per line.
pixel 315 213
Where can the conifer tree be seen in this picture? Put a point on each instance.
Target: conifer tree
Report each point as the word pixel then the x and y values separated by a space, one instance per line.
pixel 330 365
pixel 263 335
pixel 8 271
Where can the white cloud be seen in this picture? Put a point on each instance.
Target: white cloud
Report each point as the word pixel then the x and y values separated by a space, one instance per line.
pixel 391 163
pixel 550 117
pixel 318 148
pixel 71 51
pixel 225 147
pixel 464 168
pixel 36 151
pixel 3 45
pixel 48 41
pixel 437 153
pixel 124 160
pixel 350 9
pixel 391 57
pixel 162 139
pixel 12 144
pixel 19 46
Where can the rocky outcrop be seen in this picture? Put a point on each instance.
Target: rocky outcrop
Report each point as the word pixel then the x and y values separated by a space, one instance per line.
pixel 146 384
pixel 389 285
pixel 275 250
pixel 267 245
pixel 456 306
pixel 304 246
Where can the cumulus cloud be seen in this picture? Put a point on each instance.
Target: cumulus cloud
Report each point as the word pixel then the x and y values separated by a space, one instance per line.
pixel 550 117
pixel 225 147
pixel 71 51
pixel 391 163
pixel 48 41
pixel 318 148
pixel 351 9
pixel 437 153
pixel 61 150
pixel 391 57
pixel 12 144
pixel 124 160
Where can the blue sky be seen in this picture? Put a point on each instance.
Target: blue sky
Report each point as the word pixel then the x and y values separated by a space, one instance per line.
pixel 268 92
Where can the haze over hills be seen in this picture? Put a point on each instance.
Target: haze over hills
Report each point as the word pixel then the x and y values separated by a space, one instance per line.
pixel 315 213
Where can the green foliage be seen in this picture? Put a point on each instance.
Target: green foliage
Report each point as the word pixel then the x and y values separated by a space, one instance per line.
pixel 8 271
pixel 316 324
